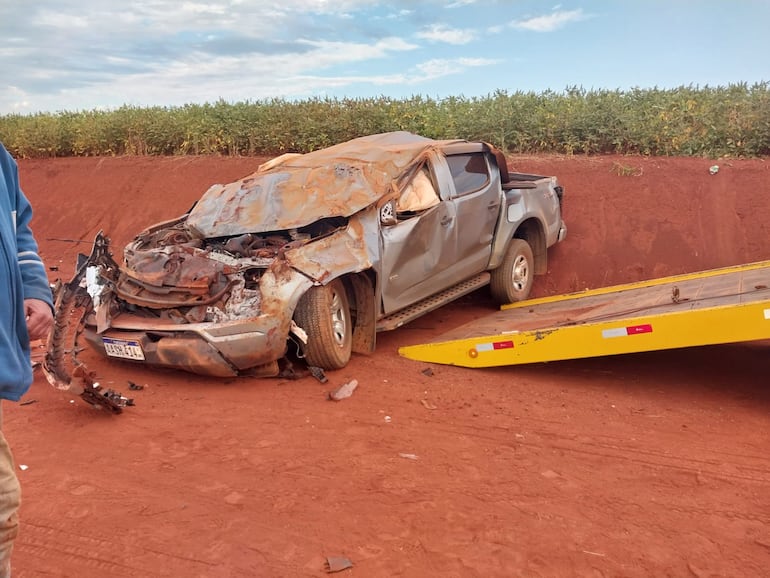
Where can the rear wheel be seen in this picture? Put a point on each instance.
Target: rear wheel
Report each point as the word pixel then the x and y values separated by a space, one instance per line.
pixel 512 280
pixel 324 313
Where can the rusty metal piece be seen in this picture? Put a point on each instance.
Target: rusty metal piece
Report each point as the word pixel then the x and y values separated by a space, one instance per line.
pixel 94 394
pixel 318 373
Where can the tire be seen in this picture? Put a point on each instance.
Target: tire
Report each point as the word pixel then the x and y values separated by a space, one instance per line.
pixel 324 313
pixel 512 280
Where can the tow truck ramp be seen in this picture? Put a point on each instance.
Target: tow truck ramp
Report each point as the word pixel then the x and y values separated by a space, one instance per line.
pixel 726 305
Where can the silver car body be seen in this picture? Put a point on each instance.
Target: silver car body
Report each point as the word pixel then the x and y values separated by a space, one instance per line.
pixel 397 217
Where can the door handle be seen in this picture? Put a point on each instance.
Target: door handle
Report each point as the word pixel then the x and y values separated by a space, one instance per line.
pixel 445 221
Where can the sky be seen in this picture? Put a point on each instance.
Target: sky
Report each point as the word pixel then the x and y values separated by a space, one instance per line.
pixel 76 55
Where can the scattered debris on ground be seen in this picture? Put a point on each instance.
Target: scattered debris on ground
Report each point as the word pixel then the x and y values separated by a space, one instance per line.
pixel 337 564
pixel 344 391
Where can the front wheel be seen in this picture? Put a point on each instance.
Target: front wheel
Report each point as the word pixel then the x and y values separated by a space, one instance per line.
pixel 512 280
pixel 324 313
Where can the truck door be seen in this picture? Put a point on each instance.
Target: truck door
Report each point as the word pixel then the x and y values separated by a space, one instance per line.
pixel 476 197
pixel 435 245
pixel 418 245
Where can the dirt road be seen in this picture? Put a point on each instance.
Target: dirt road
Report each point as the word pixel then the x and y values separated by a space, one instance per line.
pixel 643 465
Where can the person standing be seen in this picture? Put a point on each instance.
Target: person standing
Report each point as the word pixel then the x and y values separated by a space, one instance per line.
pixel 26 313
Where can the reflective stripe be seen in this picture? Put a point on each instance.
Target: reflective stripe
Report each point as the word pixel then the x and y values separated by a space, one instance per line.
pixel 626 331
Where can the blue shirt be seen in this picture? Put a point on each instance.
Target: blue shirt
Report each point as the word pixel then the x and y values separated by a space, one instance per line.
pixel 22 276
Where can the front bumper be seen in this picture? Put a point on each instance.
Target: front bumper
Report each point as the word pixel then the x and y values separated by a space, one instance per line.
pixel 215 350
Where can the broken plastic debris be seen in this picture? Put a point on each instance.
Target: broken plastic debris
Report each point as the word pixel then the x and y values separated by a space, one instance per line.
pixel 714 169
pixel 387 419
pixel 344 391
pixel 23 467
pixel 337 564
pixel 299 332
pixel 408 456
pixel 318 373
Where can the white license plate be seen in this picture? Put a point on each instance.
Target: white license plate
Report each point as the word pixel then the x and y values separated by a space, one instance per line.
pixel 123 348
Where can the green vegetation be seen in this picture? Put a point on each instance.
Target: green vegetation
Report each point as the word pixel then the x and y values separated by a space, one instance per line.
pixel 626 171
pixel 729 121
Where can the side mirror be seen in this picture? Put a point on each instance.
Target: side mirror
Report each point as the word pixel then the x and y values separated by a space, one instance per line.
pixel 388 213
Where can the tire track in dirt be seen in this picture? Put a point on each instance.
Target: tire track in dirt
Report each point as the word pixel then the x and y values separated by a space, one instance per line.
pixel 55 546
pixel 620 453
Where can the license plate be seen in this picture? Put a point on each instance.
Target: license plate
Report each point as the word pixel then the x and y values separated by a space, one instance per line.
pixel 123 348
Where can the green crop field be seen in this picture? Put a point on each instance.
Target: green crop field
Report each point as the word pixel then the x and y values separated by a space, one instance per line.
pixel 732 121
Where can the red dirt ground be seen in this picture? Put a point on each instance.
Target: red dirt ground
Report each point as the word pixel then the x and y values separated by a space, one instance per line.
pixel 652 464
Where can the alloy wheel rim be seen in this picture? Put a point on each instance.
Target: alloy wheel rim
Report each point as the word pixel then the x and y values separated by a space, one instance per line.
pixel 520 273
pixel 339 322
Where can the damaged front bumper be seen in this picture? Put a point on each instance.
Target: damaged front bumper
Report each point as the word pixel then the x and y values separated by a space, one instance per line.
pixel 218 350
pixel 92 306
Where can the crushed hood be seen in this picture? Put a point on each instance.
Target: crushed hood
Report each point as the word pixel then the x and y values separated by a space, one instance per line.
pixel 298 190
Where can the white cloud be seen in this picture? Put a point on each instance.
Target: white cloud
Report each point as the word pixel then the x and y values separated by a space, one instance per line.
pixel 443 33
pixel 429 70
pixel 54 19
pixel 436 68
pixel 329 53
pixel 549 22
pixel 400 14
pixel 201 8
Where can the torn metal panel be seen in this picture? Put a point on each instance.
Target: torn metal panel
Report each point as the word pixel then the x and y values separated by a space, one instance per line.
pixel 348 250
pixel 336 181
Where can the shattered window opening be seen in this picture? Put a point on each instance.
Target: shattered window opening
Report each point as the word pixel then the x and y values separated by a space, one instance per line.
pixel 418 195
pixel 469 172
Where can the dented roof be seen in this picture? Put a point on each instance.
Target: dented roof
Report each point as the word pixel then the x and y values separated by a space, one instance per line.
pixel 301 189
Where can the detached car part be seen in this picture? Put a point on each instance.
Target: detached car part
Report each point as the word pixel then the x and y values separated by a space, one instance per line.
pixel 61 366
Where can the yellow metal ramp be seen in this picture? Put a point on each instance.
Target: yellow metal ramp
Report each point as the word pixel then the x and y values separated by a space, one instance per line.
pixel 725 305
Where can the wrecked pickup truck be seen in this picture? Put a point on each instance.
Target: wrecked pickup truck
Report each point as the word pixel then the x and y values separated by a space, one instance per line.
pixel 315 254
